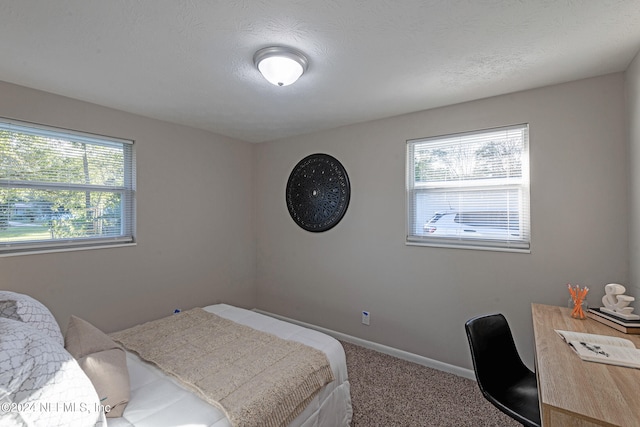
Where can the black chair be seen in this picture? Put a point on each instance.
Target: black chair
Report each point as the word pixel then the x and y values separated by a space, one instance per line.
pixel 502 377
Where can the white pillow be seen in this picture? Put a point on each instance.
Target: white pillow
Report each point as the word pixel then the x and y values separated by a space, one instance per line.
pixel 29 310
pixel 41 384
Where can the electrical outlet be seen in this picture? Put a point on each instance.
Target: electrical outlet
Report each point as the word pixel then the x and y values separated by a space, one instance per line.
pixel 366 317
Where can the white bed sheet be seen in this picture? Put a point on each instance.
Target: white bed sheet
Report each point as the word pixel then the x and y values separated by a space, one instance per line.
pixel 157 400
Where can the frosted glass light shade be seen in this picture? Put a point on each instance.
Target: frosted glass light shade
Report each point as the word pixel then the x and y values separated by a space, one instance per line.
pixel 281 66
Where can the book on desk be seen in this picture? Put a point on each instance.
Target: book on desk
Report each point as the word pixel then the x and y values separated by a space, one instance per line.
pixel 602 348
pixel 618 323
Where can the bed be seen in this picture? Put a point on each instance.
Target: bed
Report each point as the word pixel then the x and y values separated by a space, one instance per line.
pixel 159 399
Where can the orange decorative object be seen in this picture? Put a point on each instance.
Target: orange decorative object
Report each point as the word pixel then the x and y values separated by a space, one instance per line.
pixel 577 296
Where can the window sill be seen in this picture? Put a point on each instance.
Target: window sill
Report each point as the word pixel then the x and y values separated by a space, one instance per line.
pixel 69 249
pixel 468 247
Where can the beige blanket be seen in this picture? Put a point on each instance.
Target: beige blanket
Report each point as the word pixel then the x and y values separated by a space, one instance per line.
pixel 256 378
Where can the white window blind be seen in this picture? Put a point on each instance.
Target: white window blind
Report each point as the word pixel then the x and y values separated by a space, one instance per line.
pixel 470 190
pixel 63 189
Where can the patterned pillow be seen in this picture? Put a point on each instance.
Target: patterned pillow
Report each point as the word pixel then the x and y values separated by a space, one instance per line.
pixel 41 384
pixel 27 309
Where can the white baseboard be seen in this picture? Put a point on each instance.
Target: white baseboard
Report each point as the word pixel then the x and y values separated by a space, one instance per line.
pixel 401 354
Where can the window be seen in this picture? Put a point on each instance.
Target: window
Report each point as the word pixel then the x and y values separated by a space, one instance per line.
pixel 470 190
pixel 62 189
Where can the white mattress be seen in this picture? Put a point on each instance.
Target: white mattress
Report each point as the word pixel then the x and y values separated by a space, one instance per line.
pixel 157 400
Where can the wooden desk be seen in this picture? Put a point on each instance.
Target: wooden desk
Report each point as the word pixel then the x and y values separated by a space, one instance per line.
pixel 573 392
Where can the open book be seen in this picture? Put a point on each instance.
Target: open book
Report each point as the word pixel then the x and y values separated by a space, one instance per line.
pixel 603 348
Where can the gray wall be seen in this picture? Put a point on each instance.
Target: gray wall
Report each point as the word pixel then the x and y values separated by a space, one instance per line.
pixel 420 297
pixel 211 229
pixel 195 225
pixel 633 114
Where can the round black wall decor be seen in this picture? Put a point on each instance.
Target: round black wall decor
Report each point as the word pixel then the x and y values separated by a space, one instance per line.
pixel 318 192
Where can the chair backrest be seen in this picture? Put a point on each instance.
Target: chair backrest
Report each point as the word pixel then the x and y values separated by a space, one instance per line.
pixel 495 358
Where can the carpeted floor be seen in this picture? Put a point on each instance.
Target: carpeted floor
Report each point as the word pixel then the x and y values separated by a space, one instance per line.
pixel 387 391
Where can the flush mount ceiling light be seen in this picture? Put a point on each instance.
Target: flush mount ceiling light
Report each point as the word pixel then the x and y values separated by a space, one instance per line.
pixel 280 65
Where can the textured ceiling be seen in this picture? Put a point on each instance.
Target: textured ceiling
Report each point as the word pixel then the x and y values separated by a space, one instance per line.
pixel 190 61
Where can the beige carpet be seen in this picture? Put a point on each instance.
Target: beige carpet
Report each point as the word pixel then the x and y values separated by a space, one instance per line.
pixel 387 391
